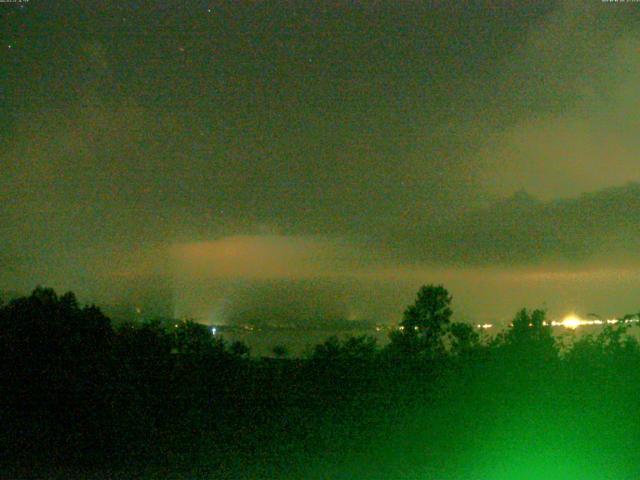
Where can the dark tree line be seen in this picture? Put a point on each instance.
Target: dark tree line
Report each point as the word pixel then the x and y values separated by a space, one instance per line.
pixel 77 391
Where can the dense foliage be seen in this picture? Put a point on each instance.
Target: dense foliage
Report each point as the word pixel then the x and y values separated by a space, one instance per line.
pixel 439 401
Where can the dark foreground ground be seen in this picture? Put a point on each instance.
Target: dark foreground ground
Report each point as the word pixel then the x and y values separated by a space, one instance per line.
pixel 81 400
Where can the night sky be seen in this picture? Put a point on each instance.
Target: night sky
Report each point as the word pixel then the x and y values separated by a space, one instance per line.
pixel 187 153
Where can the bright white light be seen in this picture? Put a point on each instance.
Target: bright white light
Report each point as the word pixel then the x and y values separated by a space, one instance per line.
pixel 213 330
pixel 572 321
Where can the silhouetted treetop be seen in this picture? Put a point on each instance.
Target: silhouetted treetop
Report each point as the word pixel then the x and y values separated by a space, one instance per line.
pixel 431 311
pixel 530 337
pixel 425 323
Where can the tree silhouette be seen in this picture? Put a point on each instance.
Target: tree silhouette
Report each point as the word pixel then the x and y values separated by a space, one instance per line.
pixel 464 339
pixel 280 351
pixel 425 323
pixel 353 349
pixel 528 327
pixel 71 388
pixel 192 338
pixel 55 358
pixel 529 337
pixel 239 349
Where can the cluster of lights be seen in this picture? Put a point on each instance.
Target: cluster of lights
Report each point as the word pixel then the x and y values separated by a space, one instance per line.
pixel 402 328
pixel 573 321
pixel 484 326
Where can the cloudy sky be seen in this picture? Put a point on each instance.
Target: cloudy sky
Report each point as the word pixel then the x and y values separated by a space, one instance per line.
pixel 350 151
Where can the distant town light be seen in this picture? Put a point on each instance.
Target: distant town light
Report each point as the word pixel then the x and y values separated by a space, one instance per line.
pixel 484 326
pixel 572 321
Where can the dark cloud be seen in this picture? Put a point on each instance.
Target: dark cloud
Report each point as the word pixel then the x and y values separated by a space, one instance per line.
pixel 521 230
pixel 134 129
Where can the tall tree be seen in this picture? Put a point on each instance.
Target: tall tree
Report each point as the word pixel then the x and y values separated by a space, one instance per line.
pixel 530 337
pixel 425 323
